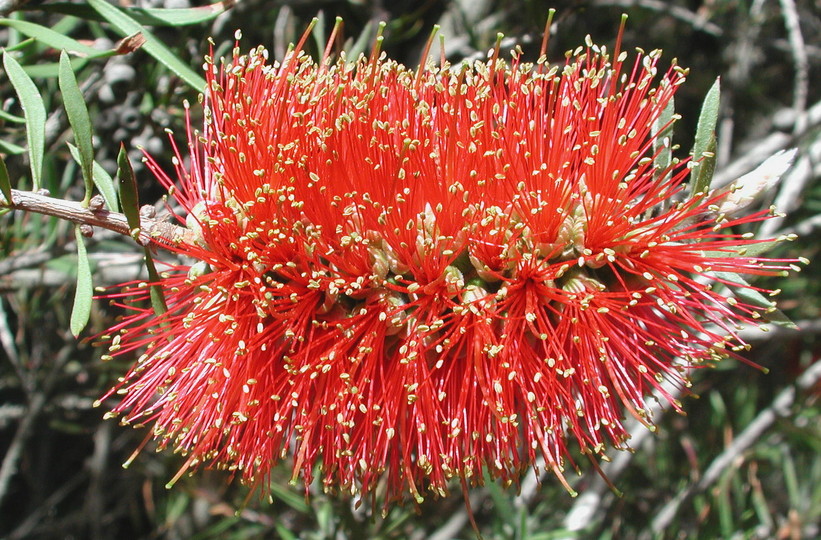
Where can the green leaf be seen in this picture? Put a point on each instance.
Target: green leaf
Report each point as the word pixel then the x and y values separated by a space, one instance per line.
pixel 102 180
pixel 289 497
pixel 80 122
pixel 11 148
pixel 318 32
pixel 84 292
pixel 127 26
pixel 743 291
pixel 704 140
pixel 35 113
pixel 751 250
pixel 147 16
pixel 284 533
pixel 5 185
pixel 51 70
pixel 180 17
pixel 53 39
pixel 702 176
pixel 361 44
pixel 14 119
pixel 662 140
pixel 129 200
pixel 155 289
pixel 130 203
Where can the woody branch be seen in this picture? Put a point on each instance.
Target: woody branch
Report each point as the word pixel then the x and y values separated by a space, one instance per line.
pixel 96 215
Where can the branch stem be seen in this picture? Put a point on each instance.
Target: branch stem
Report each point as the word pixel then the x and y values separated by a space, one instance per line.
pixel 151 229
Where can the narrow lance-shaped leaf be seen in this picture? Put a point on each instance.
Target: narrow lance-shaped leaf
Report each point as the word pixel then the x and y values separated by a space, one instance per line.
pixel 84 293
pixel 702 176
pixel 35 113
pixel 102 180
pixel 51 70
pixel 129 199
pixel 361 44
pixel 11 149
pixel 5 185
pixel 662 141
pixel 754 250
pixel 127 26
pixel 53 39
pixel 318 31
pixel 747 294
pixel 80 122
pixel 128 191
pixel 146 16
pixel 180 16
pixel 14 119
pixel 155 289
pixel 705 138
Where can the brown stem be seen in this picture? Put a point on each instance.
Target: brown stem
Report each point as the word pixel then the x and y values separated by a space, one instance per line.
pixel 150 229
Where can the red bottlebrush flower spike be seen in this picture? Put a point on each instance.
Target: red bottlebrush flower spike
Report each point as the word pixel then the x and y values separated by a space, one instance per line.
pixel 412 276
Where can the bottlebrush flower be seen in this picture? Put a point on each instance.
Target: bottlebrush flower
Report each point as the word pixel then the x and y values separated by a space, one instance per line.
pixel 412 276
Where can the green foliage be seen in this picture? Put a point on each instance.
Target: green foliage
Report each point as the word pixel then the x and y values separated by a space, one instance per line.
pixel 80 122
pixel 69 459
pixel 127 26
pixel 53 39
pixel 84 292
pixel 704 149
pixel 35 114
pixel 5 185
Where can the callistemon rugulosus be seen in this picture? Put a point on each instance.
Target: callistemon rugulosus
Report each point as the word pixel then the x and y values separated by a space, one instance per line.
pixel 412 276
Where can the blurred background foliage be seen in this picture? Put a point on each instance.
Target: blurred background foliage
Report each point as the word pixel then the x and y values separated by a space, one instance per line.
pixel 743 463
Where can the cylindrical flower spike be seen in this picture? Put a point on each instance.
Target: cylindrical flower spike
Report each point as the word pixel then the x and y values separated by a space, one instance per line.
pixel 413 276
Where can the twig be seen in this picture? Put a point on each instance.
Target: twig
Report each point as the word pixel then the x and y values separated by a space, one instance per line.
pixel 8 7
pixel 788 199
pixel 804 228
pixel 110 269
pixel 25 259
pixel 37 401
pixel 459 519
pixel 755 154
pixel 677 12
pixel 585 511
pixel 802 64
pixel 7 339
pixel 10 412
pixel 780 407
pixel 150 229
pixel 30 524
pixel 15 449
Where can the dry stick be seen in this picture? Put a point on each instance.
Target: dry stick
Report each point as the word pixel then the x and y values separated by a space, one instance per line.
pixel 802 64
pixel 585 510
pixel 36 402
pixel 97 216
pixel 677 12
pixel 457 521
pixel 754 154
pixel 38 517
pixel 780 407
pixel 804 228
pixel 7 7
